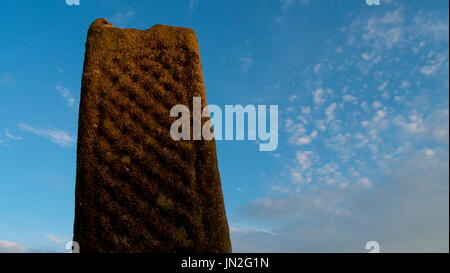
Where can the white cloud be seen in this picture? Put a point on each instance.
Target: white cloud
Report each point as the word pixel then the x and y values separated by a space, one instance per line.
pixel 429 69
pixel 349 98
pixel 286 5
pixel 383 85
pixel 364 106
pixel 434 62
pixel 380 115
pixel 54 239
pixel 297 133
pixel 306 110
pixel 430 25
pixel 13 137
pixel 246 63
pixel 319 96
pixel 121 18
pixel 55 135
pixel 338 142
pixel 317 68
pixel 296 176
pixel 11 247
pixel 288 123
pixel 292 98
pixel 413 125
pixel 405 84
pixel 435 126
pixel 248 230
pixel 408 212
pixel 393 193
pixel 366 56
pixel 303 140
pixel 429 152
pixel 417 48
pixel 320 124
pixel 66 94
pixel 377 104
pixel 329 112
pixel 363 140
pixel 384 31
pixel 305 159
pixel 302 119
pixel 365 182
pixel 377 123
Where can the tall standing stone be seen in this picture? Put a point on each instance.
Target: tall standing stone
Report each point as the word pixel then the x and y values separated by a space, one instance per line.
pixel 137 189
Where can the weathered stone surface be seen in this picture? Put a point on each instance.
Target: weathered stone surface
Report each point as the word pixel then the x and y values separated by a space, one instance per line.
pixel 137 190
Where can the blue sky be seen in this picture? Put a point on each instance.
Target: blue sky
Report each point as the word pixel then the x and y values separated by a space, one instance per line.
pixel 363 97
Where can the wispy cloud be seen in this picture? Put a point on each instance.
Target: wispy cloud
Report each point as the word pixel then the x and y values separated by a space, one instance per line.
pixel 396 190
pixel 57 136
pixel 433 127
pixel 349 98
pixel 319 96
pixel 66 94
pixel 121 18
pixel 54 239
pixel 317 68
pixel 246 63
pixel 329 112
pixel 434 62
pixel 286 6
pixel 409 216
pixel 10 136
pixel 12 247
pixel 297 132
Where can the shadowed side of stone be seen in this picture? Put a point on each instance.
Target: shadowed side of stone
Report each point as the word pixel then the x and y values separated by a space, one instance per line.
pixel 137 190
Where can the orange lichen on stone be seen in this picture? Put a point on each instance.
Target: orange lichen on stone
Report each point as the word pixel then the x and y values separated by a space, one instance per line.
pixel 137 189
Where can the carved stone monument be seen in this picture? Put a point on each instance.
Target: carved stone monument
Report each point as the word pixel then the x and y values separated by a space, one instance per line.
pixel 137 189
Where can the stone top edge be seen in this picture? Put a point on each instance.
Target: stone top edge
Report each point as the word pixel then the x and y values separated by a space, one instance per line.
pixel 104 23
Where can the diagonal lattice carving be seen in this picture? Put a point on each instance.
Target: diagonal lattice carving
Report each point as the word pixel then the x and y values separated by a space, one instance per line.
pixel 137 189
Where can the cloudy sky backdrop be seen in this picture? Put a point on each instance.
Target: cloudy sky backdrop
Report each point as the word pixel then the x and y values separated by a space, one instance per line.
pixel 363 95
